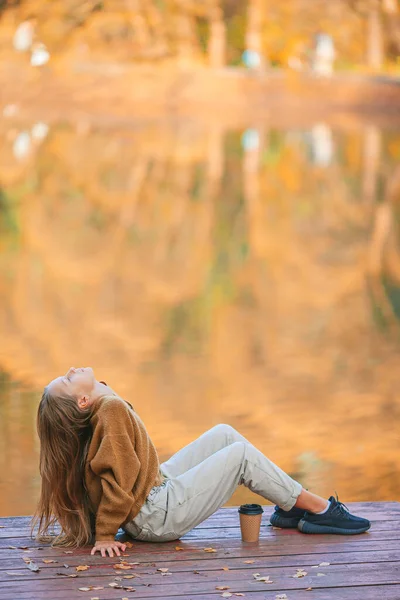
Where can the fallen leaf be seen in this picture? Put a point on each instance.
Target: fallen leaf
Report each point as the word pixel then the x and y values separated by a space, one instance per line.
pixel 33 566
pixel 300 573
pixel 265 579
pixel 225 568
pixel 179 548
pixel 95 598
pixel 209 550
pixel 281 597
pixel 129 544
pixel 122 566
pixel 67 574
pixel 85 589
pixel 49 560
pixel 324 564
pixel 163 570
pixel 12 547
pixel 66 566
pixel 308 589
pixel 249 562
pixel 26 559
pixel 238 594
pixel 222 587
pixel 128 588
pixel 197 572
pixel 129 576
pixel 82 567
pixel 2 526
pixel 23 547
pixel 315 566
pixel 66 551
pixel 114 585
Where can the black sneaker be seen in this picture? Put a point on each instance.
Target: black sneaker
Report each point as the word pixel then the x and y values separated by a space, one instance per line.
pixel 337 519
pixel 287 519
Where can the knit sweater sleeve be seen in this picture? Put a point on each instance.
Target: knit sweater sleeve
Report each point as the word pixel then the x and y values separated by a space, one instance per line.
pixel 117 465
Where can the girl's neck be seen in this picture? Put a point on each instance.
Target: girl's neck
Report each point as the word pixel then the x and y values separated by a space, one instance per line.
pixel 102 389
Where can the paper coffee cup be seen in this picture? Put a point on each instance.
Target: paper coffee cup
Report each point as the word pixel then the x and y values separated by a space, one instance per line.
pixel 250 521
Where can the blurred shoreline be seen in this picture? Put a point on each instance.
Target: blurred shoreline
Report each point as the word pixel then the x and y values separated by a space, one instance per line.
pixel 119 94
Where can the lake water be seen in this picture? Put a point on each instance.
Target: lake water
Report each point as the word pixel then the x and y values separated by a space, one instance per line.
pixel 210 276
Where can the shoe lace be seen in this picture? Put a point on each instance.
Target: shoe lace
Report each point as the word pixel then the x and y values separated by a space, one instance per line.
pixel 340 507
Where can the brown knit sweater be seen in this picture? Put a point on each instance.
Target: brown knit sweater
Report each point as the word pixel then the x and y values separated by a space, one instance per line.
pixel 121 466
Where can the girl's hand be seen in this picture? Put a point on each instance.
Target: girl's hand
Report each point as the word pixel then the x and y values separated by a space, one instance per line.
pixel 104 547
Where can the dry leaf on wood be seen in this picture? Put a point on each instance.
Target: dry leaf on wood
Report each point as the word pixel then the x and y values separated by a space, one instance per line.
pixel 249 562
pixel 222 587
pixel 49 560
pixel 300 573
pixel 82 567
pixel 33 566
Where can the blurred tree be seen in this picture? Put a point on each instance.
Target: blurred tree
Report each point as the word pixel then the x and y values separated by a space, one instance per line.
pixel 214 32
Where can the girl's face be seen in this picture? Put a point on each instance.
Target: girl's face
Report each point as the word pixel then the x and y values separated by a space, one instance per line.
pixel 76 382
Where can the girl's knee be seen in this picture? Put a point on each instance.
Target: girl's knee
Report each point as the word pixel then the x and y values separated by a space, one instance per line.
pixel 224 429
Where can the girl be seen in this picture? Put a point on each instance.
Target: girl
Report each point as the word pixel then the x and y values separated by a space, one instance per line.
pixel 100 471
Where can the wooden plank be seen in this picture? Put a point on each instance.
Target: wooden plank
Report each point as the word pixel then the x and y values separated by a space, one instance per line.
pixel 215 531
pixel 379 592
pixel 277 540
pixel 182 565
pixel 235 549
pixel 377 511
pixel 188 564
pixel 185 584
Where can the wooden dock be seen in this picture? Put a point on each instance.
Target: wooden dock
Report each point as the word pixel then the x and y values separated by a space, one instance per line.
pixel 212 562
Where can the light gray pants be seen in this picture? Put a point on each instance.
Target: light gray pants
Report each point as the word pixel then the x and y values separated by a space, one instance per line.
pixel 202 476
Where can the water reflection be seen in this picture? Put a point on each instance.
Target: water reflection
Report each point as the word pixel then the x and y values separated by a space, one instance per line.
pixel 210 276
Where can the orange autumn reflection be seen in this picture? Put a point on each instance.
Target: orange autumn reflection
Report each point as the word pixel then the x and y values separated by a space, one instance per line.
pixel 209 276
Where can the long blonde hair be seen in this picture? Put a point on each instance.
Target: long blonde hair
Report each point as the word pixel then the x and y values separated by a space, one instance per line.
pixel 65 432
